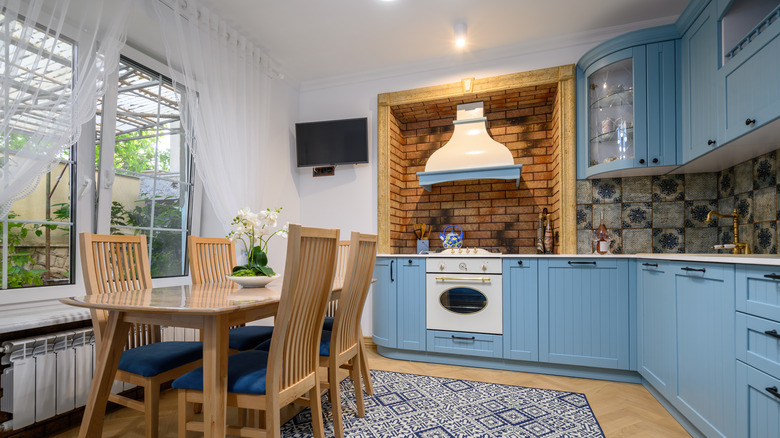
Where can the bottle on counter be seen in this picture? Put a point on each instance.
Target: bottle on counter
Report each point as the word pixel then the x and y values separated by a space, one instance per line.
pixel 601 237
pixel 548 238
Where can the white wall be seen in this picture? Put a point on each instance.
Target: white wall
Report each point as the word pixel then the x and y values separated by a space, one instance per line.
pixel 348 200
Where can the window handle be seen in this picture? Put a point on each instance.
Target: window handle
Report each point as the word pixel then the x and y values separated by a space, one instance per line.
pixel 84 186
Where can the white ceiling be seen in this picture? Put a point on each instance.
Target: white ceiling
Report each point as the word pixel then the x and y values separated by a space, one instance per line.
pixel 317 39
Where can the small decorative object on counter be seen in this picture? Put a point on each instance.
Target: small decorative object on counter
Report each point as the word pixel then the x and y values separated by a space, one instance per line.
pixel 548 238
pixel 422 231
pixel 601 238
pixel 451 239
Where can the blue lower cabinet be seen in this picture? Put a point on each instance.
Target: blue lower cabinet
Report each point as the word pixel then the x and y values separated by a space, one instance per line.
pixel 411 303
pixel 584 312
pixel 758 291
pixel 398 303
pixel 384 311
pixel 520 309
pixel 705 320
pixel 461 343
pixel 656 326
pixel 758 343
pixel 758 403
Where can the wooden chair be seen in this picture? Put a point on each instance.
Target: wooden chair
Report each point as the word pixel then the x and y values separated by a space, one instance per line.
pixel 121 263
pixel 341 347
pixel 211 260
pixel 267 381
pixel 341 269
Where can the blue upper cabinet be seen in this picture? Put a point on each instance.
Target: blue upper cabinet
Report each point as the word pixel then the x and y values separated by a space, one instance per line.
pixel 627 106
pixel 750 80
pixel 699 62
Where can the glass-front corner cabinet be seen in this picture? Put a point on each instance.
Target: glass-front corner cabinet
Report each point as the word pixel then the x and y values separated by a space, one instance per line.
pixel 613 92
pixel 627 112
pixel 611 113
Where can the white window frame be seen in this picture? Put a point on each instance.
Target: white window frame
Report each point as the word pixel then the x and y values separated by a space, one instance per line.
pixel 85 211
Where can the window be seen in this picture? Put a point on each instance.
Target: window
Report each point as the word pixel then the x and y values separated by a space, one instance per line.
pixel 148 182
pixel 37 237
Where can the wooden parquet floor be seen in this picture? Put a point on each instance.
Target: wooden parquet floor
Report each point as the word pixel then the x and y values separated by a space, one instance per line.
pixel 622 409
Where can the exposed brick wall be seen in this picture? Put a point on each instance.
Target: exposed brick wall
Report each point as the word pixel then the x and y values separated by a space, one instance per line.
pixel 492 213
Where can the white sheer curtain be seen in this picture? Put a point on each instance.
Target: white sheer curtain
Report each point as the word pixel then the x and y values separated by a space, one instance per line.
pixel 225 106
pixel 45 96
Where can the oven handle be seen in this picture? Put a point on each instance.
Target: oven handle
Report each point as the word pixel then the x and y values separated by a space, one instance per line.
pixel 481 279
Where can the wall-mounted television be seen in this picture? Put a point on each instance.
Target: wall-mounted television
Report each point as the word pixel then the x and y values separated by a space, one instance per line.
pixel 332 142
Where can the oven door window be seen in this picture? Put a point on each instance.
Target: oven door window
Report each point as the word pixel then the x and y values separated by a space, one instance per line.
pixel 463 300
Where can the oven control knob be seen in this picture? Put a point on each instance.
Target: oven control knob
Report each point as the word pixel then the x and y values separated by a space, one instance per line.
pixel 462 267
pixel 484 268
pixel 441 267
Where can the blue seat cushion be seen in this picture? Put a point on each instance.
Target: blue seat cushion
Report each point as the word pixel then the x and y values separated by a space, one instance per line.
pixel 324 344
pixel 246 374
pixel 153 359
pixel 328 324
pixel 247 337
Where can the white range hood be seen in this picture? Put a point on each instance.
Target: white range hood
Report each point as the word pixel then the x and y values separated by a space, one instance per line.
pixel 470 154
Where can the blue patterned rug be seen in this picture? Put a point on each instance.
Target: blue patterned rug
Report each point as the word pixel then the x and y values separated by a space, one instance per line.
pixel 409 405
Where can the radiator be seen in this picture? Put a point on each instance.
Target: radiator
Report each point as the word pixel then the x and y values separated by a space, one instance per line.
pixel 50 375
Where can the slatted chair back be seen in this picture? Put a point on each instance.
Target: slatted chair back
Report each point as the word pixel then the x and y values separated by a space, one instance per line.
pixel 341 269
pixel 116 263
pixel 211 259
pixel 358 272
pixel 308 281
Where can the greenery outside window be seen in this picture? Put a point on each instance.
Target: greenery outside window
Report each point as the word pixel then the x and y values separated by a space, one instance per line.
pixel 37 236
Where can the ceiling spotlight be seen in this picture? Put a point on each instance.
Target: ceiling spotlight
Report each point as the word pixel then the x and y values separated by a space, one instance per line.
pixel 460 34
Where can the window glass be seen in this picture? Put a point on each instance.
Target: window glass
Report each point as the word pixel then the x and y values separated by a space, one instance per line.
pixel 36 238
pixel 151 188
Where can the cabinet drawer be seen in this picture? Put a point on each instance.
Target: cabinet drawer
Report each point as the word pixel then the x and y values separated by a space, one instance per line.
pixel 758 414
pixel 472 344
pixel 758 291
pixel 758 343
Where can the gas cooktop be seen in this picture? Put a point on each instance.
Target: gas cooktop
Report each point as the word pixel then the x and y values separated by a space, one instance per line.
pixel 463 251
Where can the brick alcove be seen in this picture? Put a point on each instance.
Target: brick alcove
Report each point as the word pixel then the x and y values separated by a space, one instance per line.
pixel 531 113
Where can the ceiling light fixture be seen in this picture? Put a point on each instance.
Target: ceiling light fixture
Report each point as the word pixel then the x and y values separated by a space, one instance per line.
pixel 460 34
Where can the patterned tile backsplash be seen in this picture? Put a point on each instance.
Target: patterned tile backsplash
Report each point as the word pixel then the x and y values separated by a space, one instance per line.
pixel 668 213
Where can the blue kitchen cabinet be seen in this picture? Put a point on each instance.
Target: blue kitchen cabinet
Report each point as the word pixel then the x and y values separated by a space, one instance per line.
pixel 705 346
pixel 627 106
pixel 757 399
pixel 758 350
pixel 398 303
pixel 750 83
pixel 520 310
pixel 584 309
pixel 411 303
pixel 384 309
pixel 699 70
pixel 656 325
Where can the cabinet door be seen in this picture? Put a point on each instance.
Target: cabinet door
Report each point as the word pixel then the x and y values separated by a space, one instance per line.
pixel 758 403
pixel 521 312
pixel 661 105
pixel 704 296
pixel 699 46
pixel 656 325
pixel 584 312
pixel 752 86
pixel 383 302
pixel 411 303
pixel 613 113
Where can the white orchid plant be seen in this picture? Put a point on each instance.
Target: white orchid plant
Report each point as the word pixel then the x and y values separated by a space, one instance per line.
pixel 255 230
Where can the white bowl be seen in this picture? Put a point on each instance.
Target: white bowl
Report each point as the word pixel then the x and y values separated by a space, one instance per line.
pixel 259 281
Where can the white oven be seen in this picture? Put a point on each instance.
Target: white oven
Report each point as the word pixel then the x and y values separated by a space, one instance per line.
pixel 463 294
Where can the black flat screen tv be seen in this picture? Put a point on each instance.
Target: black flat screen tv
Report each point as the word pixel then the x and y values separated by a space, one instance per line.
pixel 332 142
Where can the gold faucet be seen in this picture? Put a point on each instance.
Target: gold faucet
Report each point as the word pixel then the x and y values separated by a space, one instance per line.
pixel 739 247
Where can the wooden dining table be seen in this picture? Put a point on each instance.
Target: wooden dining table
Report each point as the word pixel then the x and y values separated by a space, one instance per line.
pixel 212 308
